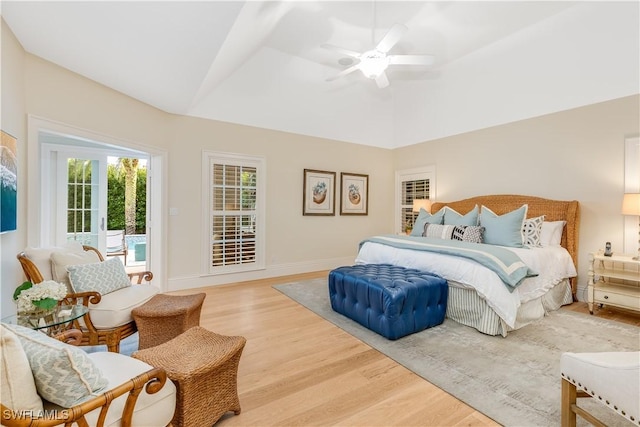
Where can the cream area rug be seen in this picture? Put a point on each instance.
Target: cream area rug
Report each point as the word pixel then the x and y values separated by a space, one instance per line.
pixel 513 380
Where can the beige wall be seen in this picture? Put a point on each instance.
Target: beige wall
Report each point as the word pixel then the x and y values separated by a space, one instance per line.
pixel 574 155
pixel 13 122
pixel 294 242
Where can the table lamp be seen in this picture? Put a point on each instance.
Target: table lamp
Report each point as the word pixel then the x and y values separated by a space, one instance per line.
pixel 631 206
pixel 422 203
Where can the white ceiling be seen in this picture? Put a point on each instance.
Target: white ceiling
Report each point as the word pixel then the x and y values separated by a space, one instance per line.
pixel 261 63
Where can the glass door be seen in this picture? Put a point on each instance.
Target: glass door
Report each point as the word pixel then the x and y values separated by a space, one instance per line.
pixel 78 197
pixel 85 207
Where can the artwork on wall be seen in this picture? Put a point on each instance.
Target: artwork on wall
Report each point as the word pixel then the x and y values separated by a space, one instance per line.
pixel 354 199
pixel 8 183
pixel 319 192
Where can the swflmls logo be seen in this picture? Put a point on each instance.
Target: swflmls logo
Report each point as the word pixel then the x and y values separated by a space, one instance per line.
pixel 34 414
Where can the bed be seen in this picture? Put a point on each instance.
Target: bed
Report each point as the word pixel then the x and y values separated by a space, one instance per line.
pixel 478 296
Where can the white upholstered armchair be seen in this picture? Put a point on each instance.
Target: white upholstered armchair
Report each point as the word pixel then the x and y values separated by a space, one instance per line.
pixel 47 382
pixel 103 286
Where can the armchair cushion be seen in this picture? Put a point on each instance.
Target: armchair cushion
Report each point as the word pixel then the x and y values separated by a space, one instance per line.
pixel 103 277
pixel 115 308
pixel 63 374
pixel 41 257
pixel 18 389
pixel 150 410
pixel 60 260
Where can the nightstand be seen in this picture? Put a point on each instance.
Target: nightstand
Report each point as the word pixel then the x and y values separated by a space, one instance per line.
pixel 614 280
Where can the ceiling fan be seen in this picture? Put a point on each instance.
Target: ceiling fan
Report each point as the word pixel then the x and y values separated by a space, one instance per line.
pixel 374 62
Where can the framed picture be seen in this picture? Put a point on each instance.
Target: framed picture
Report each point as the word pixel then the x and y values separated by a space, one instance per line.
pixel 8 183
pixel 319 192
pixel 354 196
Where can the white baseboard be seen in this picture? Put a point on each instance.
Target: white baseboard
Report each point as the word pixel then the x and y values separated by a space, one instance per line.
pixel 275 270
pixel 581 292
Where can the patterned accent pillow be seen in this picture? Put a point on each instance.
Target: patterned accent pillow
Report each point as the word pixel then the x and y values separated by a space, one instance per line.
pixel 438 231
pixel 531 231
pixel 60 260
pixel 64 375
pixel 104 277
pixel 468 233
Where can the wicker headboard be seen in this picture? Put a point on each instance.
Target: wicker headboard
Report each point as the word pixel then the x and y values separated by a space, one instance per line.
pixel 553 210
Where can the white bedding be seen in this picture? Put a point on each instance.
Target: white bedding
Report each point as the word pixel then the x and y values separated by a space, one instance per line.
pixel 552 264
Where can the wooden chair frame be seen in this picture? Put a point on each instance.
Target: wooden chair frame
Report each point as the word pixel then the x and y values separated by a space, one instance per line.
pixel 90 335
pixel 152 381
pixel 570 408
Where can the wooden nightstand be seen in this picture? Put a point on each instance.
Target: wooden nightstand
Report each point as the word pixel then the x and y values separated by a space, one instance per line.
pixel 614 281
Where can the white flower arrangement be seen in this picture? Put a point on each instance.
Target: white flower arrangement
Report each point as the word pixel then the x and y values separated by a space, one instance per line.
pixel 43 296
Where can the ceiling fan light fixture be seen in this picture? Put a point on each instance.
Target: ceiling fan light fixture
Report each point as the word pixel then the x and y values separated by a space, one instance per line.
pixel 373 63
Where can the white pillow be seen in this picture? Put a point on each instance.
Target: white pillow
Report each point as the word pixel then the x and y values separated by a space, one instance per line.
pixel 63 374
pixel 104 277
pixel 551 233
pixel 61 260
pixel 18 387
pixel 531 230
pixel 41 257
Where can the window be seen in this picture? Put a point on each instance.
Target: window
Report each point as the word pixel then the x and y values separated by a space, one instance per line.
pixel 234 211
pixel 412 184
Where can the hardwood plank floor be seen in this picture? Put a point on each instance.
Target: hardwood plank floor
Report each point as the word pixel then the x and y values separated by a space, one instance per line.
pixel 298 369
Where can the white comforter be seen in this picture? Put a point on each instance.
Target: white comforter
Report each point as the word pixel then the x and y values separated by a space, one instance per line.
pixel 552 263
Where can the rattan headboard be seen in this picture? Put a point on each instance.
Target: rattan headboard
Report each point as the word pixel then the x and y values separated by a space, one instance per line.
pixel 553 210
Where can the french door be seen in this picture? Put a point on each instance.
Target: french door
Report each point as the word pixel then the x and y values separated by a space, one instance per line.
pixel 82 205
pixel 75 194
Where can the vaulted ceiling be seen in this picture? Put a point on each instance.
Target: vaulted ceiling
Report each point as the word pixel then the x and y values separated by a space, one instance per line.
pixel 261 63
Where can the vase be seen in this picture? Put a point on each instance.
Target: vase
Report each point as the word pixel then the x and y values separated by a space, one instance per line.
pixel 37 317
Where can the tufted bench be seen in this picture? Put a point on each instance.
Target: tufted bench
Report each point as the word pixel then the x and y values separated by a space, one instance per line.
pixel 390 300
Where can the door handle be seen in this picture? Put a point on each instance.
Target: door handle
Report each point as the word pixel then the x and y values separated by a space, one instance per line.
pixel 102 224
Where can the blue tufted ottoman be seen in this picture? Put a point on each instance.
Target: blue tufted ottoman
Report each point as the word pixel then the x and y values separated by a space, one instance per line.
pixel 390 300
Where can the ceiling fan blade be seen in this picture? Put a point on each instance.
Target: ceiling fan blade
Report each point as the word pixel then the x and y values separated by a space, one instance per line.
pixel 342 73
pixel 382 81
pixel 411 59
pixel 391 38
pixel 342 50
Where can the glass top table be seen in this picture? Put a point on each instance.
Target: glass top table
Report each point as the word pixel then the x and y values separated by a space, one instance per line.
pixel 53 322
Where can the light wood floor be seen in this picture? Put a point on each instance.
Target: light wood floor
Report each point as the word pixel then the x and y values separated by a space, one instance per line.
pixel 298 369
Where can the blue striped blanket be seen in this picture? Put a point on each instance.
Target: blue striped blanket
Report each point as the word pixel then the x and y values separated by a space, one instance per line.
pixel 506 264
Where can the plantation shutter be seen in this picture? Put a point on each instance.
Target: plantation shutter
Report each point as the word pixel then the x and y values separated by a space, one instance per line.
pixel 412 184
pixel 233 213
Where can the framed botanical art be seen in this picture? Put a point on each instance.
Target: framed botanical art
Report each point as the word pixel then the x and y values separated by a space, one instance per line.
pixel 8 183
pixel 354 194
pixel 319 192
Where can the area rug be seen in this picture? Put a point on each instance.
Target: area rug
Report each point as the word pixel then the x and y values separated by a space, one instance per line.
pixel 513 380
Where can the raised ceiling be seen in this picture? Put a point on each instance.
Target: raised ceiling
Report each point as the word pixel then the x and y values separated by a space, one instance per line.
pixel 261 63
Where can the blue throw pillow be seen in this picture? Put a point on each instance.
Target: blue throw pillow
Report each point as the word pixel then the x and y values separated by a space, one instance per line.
pixel 503 230
pixel 451 217
pixel 424 218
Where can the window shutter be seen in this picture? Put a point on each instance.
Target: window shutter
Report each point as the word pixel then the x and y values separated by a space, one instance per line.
pixel 234 214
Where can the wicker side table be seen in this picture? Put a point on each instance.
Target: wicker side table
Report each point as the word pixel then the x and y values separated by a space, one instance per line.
pixel 164 317
pixel 204 367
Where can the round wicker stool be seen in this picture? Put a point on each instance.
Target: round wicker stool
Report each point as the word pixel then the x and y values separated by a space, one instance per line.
pixel 164 317
pixel 204 367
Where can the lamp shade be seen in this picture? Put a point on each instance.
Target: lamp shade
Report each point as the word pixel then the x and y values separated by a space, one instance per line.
pixel 421 203
pixel 630 204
